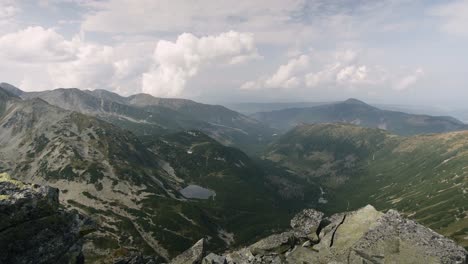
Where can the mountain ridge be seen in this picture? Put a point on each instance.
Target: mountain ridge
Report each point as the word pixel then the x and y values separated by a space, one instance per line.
pixel 144 114
pixel 133 185
pixel 357 112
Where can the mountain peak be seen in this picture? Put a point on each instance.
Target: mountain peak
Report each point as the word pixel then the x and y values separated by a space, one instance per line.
pixel 354 101
pixel 11 89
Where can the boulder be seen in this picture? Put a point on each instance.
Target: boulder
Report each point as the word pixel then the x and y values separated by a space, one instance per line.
pixel 274 244
pixel 396 239
pixel 362 236
pixel 214 259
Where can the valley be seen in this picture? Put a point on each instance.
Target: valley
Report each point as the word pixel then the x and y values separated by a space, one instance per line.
pixel 425 176
pixel 233 132
pixel 158 174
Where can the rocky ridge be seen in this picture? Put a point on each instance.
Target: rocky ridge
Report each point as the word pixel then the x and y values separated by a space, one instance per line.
pixel 362 236
pixel 33 227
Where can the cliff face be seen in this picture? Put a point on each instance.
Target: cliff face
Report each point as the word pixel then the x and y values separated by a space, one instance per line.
pixel 362 236
pixel 33 227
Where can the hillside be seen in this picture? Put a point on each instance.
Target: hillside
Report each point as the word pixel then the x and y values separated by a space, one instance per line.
pixel 425 177
pixel 247 198
pixel 101 169
pixel 144 114
pixel 144 193
pixel 353 111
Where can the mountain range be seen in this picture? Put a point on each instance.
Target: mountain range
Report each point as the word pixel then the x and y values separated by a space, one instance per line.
pixel 142 189
pixel 357 112
pixel 143 114
pixel 157 174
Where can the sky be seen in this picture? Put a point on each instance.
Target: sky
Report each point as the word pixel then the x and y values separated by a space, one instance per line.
pixel 381 51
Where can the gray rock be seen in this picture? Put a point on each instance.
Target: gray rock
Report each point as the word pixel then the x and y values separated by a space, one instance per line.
pixel 214 259
pixel 306 244
pixel 396 238
pixel 362 236
pixel 33 229
pixel 274 244
pixel 192 255
pixel 307 221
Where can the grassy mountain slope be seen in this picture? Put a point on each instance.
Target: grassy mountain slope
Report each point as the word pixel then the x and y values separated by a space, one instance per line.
pixel 100 168
pixel 426 177
pixel 131 187
pixel 359 113
pixel 147 115
pixel 249 199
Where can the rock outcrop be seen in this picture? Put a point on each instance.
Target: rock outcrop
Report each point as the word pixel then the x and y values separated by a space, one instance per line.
pixel 362 236
pixel 33 227
pixel 194 254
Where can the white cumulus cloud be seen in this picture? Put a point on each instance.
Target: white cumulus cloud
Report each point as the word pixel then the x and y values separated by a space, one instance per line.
pixel 92 68
pixel 342 69
pixel 176 62
pixel 35 44
pixel 287 75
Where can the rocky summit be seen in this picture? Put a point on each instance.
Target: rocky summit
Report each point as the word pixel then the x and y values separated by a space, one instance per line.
pixel 35 229
pixel 362 236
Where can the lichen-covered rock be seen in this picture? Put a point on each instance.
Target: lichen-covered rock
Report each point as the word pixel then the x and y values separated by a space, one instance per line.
pixel 193 255
pixel 214 259
pixel 274 244
pixel 33 229
pixel 307 221
pixel 362 236
pixel 396 239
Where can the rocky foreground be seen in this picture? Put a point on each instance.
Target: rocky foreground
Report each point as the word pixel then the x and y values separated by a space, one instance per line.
pixel 362 236
pixel 34 229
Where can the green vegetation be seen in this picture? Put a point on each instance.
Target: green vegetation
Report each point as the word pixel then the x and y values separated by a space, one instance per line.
pixel 248 202
pixel 425 177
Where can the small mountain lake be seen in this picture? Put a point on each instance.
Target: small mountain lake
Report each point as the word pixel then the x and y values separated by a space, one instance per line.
pixel 197 192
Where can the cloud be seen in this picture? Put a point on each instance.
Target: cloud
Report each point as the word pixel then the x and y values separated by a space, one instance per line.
pixel 341 69
pixel 454 17
pixel 176 62
pixel 118 68
pixel 126 67
pixel 287 75
pixel 44 58
pixel 36 44
pixel 272 21
pixel 8 9
pixel 92 68
pixel 181 15
pixel 409 80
